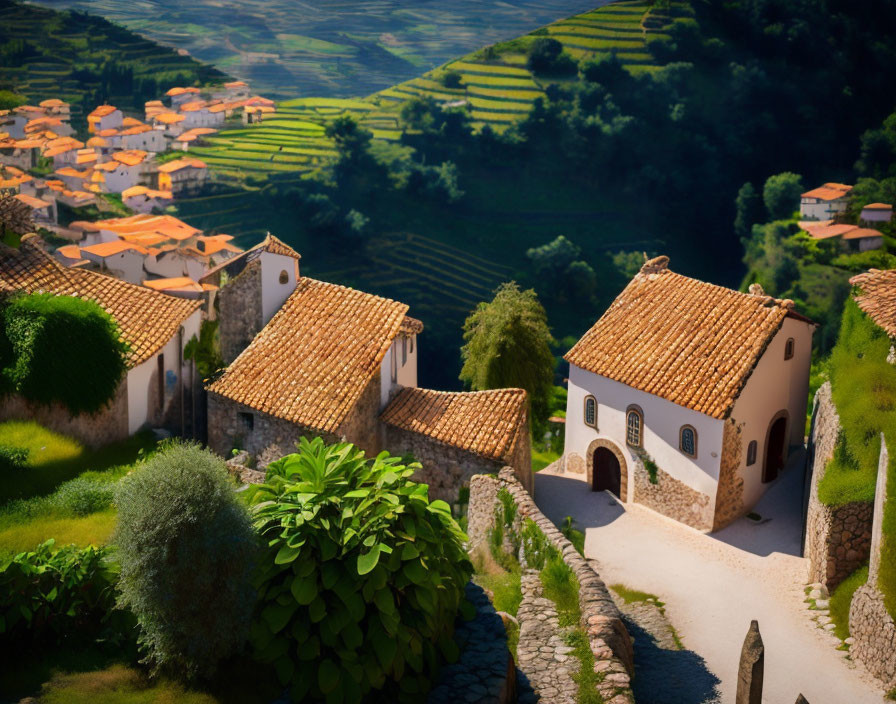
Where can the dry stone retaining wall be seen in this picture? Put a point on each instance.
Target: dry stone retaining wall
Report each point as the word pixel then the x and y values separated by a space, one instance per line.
pixel 601 619
pixel 838 538
pixel 874 634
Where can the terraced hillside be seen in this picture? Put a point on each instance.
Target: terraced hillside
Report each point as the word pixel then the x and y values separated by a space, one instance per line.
pixel 496 87
pixel 86 60
pixel 328 47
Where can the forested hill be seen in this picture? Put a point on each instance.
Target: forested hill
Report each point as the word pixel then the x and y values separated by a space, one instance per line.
pixel 86 60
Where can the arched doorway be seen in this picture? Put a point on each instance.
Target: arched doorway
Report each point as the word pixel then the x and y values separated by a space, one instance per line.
pixel 607 474
pixel 775 448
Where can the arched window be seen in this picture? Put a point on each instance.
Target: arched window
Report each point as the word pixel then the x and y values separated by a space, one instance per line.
pixel 634 426
pixel 284 277
pixel 590 411
pixel 687 440
pixel 788 348
pixel 751 453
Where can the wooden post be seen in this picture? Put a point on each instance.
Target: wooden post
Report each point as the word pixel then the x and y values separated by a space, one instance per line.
pixel 752 662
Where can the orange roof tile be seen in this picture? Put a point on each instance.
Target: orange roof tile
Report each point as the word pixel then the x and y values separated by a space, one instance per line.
pixel 110 132
pixel 180 91
pixel 236 84
pixel 860 233
pixel 692 343
pixel 102 111
pixel 130 157
pixel 108 249
pixel 179 164
pixel 876 296
pixel 823 232
pixel 310 364
pixel 147 319
pixel 178 282
pixel 878 206
pixel 192 106
pixel 168 118
pixel 70 251
pixel 130 122
pixel 137 129
pixel 829 191
pixel 32 202
pixel 52 103
pixel 486 423
pixel 166 225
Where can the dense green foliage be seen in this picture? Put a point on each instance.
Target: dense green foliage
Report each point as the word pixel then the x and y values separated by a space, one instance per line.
pixel 841 599
pixel 781 194
pixel 362 579
pixel 546 56
pixel 12 459
pixel 58 595
pixel 87 61
pixel 508 345
pixel 205 350
pixel 186 548
pixel 35 330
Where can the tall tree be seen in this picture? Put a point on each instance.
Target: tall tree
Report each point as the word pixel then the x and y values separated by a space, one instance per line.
pixel 748 206
pixel 508 345
pixel 781 194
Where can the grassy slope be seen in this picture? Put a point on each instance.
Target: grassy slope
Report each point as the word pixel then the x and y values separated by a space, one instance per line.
pixel 60 45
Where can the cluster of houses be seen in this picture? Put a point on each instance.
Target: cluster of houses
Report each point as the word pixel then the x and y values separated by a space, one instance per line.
pixel 823 213
pixel 120 154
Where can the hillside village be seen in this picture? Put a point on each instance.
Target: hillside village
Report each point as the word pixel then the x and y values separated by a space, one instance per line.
pixel 226 479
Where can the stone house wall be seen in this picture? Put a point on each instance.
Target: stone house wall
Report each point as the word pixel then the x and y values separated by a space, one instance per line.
pixel 730 492
pixel 446 469
pixel 108 425
pixel 239 311
pixel 838 538
pixel 672 498
pixel 362 425
pixel 609 640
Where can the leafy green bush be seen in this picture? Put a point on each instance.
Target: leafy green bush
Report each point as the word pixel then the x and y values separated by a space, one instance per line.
pixel 54 595
pixel 363 575
pixel 187 548
pixel 12 458
pixel 60 349
pixel 546 55
pixel 537 549
pixel 82 496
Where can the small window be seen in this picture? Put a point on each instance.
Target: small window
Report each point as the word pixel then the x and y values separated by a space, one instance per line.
pixel 687 441
pixel 751 453
pixel 590 411
pixel 247 419
pixel 788 348
pixel 634 427
pixel 284 277
pixel 412 345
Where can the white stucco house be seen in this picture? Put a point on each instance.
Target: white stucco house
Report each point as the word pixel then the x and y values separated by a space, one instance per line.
pixel 686 396
pixel 158 382
pixel 875 213
pixel 824 202
pixel 104 117
pixel 122 259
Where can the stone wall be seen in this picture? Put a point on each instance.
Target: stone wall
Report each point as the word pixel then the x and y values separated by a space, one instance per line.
pixel 601 619
pixel 269 439
pixel 672 498
pixel 838 538
pixel 108 425
pixel 239 311
pixel 730 491
pixel 874 634
pixel 446 469
pixel 362 425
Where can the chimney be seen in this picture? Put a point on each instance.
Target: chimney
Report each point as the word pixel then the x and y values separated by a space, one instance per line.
pixel 655 265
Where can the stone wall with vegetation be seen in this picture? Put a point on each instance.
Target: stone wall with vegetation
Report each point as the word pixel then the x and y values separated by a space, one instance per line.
pixel 601 621
pixel 239 311
pixel 92 429
pixel 671 497
pixel 838 538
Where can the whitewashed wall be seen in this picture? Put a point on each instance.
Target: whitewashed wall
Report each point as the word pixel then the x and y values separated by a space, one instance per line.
pixel 273 293
pixel 662 423
pixel 399 367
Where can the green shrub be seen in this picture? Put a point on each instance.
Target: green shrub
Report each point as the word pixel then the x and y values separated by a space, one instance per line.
pixel 12 458
pixel 81 497
pixel 651 468
pixel 576 537
pixel 508 515
pixel 452 79
pixel 841 600
pixel 186 549
pixel 537 549
pixel 50 596
pixel 546 55
pixel 362 578
pixel 60 349
pixel 562 587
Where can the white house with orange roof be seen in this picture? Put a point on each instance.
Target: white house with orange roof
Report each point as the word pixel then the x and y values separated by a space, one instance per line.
pixel 198 113
pixel 182 176
pixel 21 153
pixel 43 210
pixel 169 123
pixel 156 327
pixel 12 179
pixel 194 260
pixel 875 214
pixel 143 137
pixel 232 91
pixel 52 124
pixel 56 108
pixel 824 202
pixel 103 118
pixel 146 200
pixel 179 96
pixel 121 259
pixel 124 170
pixel 182 286
pixel 685 396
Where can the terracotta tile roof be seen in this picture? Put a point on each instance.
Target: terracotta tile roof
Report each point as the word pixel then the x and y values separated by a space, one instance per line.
pixel 878 206
pixel 147 319
pixel 137 129
pixel 692 343
pixel 859 233
pixel 236 84
pixel 876 296
pixel 168 118
pixel 102 111
pixel 108 249
pixel 130 122
pixel 823 232
pixel 32 202
pixel 180 91
pixel 184 283
pixel 52 103
pixel 192 106
pixel 179 164
pixel 70 251
pixel 131 157
pixel 166 225
pixel 829 191
pixel 486 423
pixel 310 364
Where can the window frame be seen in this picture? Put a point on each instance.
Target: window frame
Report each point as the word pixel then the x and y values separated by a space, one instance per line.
pixel 789 347
pixel 752 449
pixel 681 432
pixel 640 414
pixel 588 398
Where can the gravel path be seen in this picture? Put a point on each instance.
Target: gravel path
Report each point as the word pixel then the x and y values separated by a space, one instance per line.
pixel 713 585
pixel 543 656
